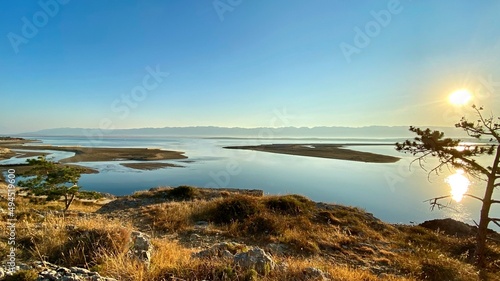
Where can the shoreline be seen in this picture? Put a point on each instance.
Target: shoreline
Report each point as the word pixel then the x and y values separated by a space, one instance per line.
pixel 10 148
pixel 88 154
pixel 329 151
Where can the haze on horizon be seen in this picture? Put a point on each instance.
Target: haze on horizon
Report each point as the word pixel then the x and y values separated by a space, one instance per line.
pixel 136 64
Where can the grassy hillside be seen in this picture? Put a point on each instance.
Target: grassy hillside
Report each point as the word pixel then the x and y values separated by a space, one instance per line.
pixel 345 243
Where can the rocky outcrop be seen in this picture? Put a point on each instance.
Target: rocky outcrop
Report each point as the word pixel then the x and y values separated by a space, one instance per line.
pixel 257 259
pixel 220 250
pixel 141 248
pixel 313 273
pixel 52 272
pixel 249 258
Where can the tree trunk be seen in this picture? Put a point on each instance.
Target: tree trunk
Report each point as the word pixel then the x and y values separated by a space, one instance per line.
pixel 68 202
pixel 484 220
pixel 482 231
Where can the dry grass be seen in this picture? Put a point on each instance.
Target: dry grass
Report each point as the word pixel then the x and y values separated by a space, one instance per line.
pixel 344 242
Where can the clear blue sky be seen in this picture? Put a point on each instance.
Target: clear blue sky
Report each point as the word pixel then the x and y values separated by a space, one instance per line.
pixel 236 63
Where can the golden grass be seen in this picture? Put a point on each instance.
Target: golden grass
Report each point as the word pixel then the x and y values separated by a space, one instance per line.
pixel 344 242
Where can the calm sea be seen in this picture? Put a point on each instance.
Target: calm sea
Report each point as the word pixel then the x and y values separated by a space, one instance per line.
pixel 393 192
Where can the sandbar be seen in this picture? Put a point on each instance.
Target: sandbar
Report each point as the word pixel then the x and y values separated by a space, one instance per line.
pixel 91 154
pixel 150 165
pixel 331 151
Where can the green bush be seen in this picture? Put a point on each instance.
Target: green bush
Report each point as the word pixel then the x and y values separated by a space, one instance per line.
pixel 89 195
pixel 225 273
pixel 251 275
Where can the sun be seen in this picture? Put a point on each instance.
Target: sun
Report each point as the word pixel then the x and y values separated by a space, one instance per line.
pixel 460 97
pixel 459 185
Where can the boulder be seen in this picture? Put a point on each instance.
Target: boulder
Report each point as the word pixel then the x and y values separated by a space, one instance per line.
pixel 224 250
pixel 141 248
pixel 313 273
pixel 257 259
pixel 54 272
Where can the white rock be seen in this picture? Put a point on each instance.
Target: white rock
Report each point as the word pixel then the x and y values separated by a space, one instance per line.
pixel 257 259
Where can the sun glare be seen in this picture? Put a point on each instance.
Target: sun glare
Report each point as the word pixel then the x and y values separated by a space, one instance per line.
pixel 459 185
pixel 460 97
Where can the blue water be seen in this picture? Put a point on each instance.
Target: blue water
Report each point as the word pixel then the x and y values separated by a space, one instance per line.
pixel 392 192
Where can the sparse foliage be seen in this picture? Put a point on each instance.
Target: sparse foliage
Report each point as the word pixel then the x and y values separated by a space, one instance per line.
pixel 452 152
pixel 52 180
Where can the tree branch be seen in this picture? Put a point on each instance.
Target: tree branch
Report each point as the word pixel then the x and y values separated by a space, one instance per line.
pixel 475 197
pixel 487 124
pixel 420 159
pixel 475 165
pixel 495 221
pixel 434 203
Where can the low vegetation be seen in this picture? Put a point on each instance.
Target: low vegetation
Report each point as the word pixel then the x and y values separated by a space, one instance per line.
pixel 345 243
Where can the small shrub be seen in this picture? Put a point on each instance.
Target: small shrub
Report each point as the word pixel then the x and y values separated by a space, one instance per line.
pixel 302 245
pixel 434 271
pixel 37 200
pixel 85 246
pixel 421 236
pixel 261 224
pixel 225 273
pixel 251 275
pixel 169 217
pixel 184 192
pixel 232 209
pixel 289 204
pixel 327 217
pixel 89 195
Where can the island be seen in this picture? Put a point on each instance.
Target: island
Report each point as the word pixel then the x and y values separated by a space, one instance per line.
pixel 331 151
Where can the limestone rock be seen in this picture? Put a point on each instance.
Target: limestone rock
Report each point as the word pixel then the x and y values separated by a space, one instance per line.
pixel 54 272
pixel 257 259
pixel 142 247
pixel 224 249
pixel 313 273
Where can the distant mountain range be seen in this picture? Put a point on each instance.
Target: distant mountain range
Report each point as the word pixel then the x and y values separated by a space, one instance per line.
pixel 284 132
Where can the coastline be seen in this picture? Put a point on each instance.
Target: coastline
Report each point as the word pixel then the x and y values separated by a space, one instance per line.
pixel 87 154
pixel 11 148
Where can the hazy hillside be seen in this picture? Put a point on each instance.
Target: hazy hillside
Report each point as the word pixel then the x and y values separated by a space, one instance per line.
pixel 211 131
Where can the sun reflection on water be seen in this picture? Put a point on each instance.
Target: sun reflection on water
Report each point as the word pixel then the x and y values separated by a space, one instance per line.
pixel 459 184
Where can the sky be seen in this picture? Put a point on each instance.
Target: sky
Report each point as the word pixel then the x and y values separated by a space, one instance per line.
pixel 241 63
